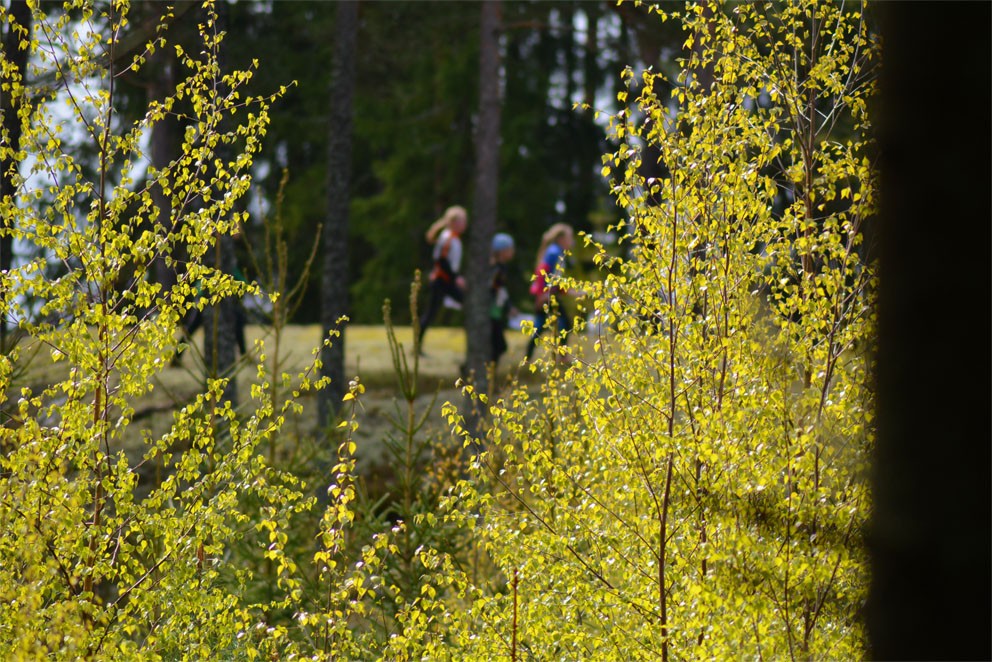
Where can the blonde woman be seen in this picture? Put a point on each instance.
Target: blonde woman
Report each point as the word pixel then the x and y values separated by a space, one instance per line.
pixel 549 268
pixel 445 277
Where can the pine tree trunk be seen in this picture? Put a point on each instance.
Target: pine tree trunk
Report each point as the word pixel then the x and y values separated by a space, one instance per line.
pixel 220 325
pixel 163 150
pixel 483 222
pixel 220 321
pixel 20 13
pixel 334 282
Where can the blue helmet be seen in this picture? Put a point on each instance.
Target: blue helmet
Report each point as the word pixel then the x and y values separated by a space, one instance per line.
pixel 501 241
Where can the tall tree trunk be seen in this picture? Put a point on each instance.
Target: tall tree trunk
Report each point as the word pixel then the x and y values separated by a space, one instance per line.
pixel 220 321
pixel 163 150
pixel 483 223
pixel 591 74
pixel 220 324
pixel 20 13
pixel 334 282
pixel 929 538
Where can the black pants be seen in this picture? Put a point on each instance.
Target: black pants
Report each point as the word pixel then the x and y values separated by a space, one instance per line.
pixel 439 289
pixel 498 339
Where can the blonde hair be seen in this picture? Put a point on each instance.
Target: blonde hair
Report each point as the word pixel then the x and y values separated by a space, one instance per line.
pixel 550 235
pixel 449 215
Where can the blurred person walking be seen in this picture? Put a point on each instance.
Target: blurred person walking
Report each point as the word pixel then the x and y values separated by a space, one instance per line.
pixel 501 309
pixel 550 267
pixel 445 277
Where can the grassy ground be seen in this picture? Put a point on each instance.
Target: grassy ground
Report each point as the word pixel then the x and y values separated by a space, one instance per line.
pixel 366 355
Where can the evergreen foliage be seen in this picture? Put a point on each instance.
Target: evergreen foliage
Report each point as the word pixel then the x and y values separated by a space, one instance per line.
pixel 415 110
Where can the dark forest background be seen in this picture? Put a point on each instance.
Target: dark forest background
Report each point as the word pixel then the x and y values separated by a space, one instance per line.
pixel 414 113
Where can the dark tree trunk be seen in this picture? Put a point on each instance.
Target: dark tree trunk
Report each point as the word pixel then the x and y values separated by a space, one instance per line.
pixel 220 322
pixel 20 13
pixel 929 535
pixel 591 76
pixel 334 282
pixel 220 338
pixel 163 150
pixel 483 222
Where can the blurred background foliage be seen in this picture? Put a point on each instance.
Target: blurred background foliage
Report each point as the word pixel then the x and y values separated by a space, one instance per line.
pixel 415 103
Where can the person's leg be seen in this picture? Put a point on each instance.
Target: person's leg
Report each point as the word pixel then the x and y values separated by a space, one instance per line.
pixel 455 292
pixel 240 321
pixel 434 298
pixel 497 340
pixel 540 317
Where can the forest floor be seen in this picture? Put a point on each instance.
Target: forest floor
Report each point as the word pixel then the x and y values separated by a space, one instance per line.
pixel 367 356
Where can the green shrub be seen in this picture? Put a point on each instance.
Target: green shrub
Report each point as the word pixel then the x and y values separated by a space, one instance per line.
pixel 694 487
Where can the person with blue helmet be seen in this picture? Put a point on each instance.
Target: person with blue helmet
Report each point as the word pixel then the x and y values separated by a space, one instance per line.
pixel 502 251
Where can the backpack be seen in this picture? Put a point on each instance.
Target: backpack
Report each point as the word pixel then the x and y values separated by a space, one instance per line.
pixel 442 267
pixel 540 282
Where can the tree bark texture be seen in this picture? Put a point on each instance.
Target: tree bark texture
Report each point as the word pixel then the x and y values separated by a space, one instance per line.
pixel 20 13
pixel 483 222
pixel 220 340
pixel 334 280
pixel 220 322
pixel 163 149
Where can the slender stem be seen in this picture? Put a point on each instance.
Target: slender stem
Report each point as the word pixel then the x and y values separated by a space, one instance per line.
pixel 662 594
pixel 101 406
pixel 513 647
